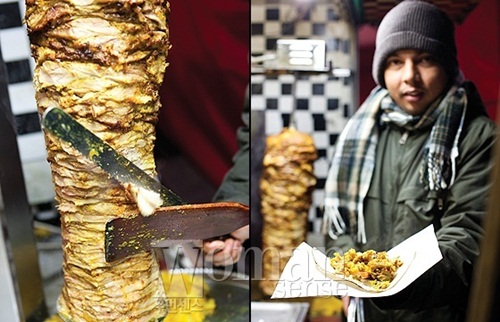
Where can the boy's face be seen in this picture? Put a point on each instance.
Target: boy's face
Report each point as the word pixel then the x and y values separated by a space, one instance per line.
pixel 414 80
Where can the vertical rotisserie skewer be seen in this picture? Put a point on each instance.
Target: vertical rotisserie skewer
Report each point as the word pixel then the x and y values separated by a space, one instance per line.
pixel 286 193
pixel 102 62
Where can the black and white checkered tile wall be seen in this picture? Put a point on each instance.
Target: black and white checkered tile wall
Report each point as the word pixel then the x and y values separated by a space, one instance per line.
pixel 17 58
pixel 323 102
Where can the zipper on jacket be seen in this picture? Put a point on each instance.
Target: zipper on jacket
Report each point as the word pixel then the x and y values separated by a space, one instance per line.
pixel 403 138
pixel 395 179
pixel 440 203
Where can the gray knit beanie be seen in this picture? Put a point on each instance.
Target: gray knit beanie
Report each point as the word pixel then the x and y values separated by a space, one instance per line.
pixel 415 25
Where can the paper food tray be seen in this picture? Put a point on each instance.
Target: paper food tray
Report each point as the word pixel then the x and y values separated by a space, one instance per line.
pixel 302 277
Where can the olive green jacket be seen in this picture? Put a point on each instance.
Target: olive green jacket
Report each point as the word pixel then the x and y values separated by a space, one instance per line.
pixel 397 206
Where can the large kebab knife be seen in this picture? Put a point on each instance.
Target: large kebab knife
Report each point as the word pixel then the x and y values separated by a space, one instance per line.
pixel 173 222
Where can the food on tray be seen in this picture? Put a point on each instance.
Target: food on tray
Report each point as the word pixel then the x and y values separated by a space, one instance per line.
pixel 103 63
pixel 188 297
pixel 286 186
pixel 374 269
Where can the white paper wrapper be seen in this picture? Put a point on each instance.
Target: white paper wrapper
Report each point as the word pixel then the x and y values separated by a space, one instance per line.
pixel 304 274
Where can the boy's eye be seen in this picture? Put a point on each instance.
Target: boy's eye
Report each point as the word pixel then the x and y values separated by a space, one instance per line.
pixel 393 62
pixel 427 60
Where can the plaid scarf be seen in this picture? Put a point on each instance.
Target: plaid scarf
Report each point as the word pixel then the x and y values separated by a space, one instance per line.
pixel 353 161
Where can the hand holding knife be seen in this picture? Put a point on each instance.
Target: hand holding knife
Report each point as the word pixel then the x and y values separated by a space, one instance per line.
pixel 174 221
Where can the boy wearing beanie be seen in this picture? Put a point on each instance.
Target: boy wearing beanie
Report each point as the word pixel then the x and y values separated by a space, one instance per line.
pixel 417 152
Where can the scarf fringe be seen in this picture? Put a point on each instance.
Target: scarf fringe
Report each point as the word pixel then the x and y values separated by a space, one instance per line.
pixel 334 225
pixel 361 233
pixel 433 177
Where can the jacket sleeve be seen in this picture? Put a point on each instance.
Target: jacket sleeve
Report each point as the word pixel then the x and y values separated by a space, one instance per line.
pixel 458 231
pixel 235 185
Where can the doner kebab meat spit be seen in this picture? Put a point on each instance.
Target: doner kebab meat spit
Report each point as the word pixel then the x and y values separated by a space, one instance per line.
pixel 103 63
pixel 286 188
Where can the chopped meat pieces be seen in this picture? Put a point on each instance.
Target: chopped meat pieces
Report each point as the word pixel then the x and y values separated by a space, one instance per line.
pixel 373 268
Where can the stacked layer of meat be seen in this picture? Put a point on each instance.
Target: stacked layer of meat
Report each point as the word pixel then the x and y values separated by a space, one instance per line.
pixel 102 62
pixel 286 187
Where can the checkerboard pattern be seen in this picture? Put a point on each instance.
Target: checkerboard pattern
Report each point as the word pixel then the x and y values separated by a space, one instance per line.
pixel 323 103
pixel 15 49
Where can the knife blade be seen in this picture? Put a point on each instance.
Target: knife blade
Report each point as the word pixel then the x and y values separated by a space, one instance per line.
pixel 169 225
pixel 66 128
